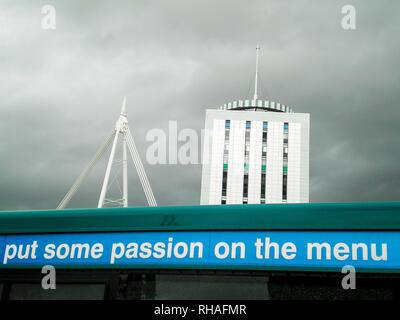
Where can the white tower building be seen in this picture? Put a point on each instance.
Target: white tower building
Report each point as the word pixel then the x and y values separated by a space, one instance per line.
pixel 255 151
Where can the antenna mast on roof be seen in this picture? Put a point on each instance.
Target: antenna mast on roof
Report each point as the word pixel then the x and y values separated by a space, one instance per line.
pixel 256 80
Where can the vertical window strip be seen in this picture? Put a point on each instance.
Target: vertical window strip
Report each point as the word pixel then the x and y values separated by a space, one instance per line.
pixel 285 160
pixel 225 161
pixel 246 163
pixel 264 161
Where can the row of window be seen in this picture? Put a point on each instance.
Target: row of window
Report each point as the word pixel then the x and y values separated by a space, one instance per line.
pixel 225 166
pixel 248 124
pixel 285 160
pixel 195 285
pixel 246 161
pixel 264 161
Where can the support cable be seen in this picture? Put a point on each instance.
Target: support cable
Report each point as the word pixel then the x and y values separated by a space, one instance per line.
pixel 83 175
pixel 139 168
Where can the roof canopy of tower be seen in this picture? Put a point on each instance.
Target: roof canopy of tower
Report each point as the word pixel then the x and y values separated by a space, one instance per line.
pixel 256 104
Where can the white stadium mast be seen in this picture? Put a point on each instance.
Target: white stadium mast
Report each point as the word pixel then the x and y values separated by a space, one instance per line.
pixel 121 127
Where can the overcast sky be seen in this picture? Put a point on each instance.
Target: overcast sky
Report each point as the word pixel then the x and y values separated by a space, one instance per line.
pixel 61 90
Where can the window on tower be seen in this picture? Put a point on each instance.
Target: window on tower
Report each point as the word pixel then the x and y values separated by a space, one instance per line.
pixel 264 161
pixel 246 163
pixel 285 161
pixel 225 162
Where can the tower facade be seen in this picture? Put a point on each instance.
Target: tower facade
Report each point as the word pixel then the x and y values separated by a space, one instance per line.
pixel 255 151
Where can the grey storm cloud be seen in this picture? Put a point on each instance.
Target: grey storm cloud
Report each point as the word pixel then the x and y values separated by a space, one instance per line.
pixel 61 90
